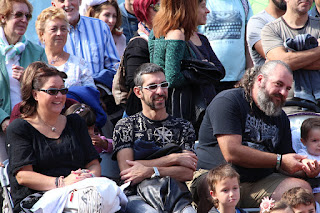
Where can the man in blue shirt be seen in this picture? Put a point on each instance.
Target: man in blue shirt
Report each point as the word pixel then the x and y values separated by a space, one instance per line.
pixel 91 39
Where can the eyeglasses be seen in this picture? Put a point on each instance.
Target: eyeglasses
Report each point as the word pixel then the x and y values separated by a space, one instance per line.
pixel 19 15
pixel 154 87
pixel 155 7
pixel 54 91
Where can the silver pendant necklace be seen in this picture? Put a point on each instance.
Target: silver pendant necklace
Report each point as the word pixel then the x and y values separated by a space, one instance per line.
pixel 53 128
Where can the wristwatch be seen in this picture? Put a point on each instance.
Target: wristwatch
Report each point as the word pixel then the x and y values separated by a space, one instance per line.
pixel 156 172
pixel 279 159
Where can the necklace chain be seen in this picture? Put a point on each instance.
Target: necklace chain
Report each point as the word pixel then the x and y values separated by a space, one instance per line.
pixel 53 128
pixel 57 59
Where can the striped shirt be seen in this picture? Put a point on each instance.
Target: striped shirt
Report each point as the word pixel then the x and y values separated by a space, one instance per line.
pixel 92 40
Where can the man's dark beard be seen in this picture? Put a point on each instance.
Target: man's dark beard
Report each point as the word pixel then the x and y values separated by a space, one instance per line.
pixel 282 5
pixel 151 104
pixel 266 105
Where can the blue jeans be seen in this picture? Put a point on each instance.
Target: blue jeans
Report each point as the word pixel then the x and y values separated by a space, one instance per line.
pixel 137 205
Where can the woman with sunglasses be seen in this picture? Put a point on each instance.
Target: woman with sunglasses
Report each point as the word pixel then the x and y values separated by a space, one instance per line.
pixel 137 52
pixel 46 149
pixel 109 12
pixel 16 53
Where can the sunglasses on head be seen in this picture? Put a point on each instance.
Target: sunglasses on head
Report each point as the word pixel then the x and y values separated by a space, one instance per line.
pixel 153 87
pixel 54 91
pixel 155 7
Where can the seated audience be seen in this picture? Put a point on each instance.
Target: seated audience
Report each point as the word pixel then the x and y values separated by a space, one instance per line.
pixel 103 145
pixel 247 127
pixel 109 12
pixel 300 200
pixel 46 149
pixel 138 137
pixel 16 53
pixel 310 137
pixel 90 39
pixel 52 27
pixel 223 183
pixel 136 52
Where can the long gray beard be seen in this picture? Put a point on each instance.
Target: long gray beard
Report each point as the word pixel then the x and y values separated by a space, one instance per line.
pixel 266 105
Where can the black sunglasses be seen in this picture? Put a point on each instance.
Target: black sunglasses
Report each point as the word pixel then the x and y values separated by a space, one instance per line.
pixel 54 91
pixel 18 15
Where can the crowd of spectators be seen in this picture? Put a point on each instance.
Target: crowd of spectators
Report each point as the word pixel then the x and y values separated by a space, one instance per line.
pixel 222 144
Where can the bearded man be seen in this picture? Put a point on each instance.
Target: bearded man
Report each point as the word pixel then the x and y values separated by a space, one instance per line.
pixel 274 10
pixel 246 127
pixel 138 136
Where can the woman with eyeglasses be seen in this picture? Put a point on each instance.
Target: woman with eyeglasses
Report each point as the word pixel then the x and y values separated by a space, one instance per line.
pixel 109 12
pixel 16 53
pixel 137 52
pixel 52 28
pixel 46 148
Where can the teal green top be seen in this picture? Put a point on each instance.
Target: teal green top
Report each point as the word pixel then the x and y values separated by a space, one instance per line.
pixel 32 52
pixel 168 54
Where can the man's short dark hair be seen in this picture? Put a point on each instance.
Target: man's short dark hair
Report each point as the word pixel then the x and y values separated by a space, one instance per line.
pixel 145 68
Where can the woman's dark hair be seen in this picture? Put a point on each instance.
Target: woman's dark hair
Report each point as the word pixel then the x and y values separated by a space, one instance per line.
pixel 84 111
pixel 94 11
pixel 33 78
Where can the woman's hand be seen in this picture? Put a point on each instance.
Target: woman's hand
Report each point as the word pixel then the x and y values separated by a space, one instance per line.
pixel 78 175
pixel 17 72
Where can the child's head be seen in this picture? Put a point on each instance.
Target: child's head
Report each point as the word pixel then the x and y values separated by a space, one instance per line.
pixel 224 187
pixel 310 135
pixel 300 200
pixel 85 112
pixel 281 207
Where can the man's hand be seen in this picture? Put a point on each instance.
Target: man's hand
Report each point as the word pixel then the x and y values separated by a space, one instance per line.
pixel 291 163
pixel 186 159
pixel 136 173
pixel 311 167
pixel 5 124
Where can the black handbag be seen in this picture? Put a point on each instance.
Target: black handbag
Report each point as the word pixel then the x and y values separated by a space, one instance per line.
pixel 198 70
pixel 165 194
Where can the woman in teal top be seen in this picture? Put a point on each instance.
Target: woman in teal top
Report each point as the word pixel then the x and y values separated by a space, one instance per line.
pixel 16 53
pixel 173 25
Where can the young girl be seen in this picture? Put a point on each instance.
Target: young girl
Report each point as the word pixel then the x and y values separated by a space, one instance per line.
pixel 102 144
pixel 310 137
pixel 224 188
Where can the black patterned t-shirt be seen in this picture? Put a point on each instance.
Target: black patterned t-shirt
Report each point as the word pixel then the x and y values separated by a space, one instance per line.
pixel 139 127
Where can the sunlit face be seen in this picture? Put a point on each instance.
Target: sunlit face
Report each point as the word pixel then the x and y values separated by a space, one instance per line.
pixel 72 9
pixel 55 33
pixel 109 15
pixel 274 90
pixel 202 13
pixel 153 99
pixel 304 209
pixel 50 103
pixel 227 192
pixel 313 142
pixel 15 26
